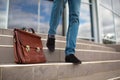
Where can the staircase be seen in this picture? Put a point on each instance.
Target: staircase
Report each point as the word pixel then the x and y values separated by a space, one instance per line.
pixel 99 61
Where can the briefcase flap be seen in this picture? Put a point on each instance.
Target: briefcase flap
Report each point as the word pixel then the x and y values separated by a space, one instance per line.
pixel 29 39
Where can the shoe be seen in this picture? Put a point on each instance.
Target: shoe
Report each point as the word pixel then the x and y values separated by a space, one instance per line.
pixel 72 59
pixel 51 44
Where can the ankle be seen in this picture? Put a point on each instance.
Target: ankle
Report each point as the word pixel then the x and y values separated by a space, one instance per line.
pixel 51 36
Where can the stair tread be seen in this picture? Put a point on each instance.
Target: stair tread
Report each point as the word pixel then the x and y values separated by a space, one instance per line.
pixel 58 63
pixel 58 37
pixel 80 43
pixel 62 49
pixel 59 71
pixel 7 55
pixel 44 37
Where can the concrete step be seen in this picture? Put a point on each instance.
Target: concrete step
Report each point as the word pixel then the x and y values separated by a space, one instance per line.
pixel 99 62
pixel 85 46
pixel 6 31
pixel 8 40
pixel 60 38
pixel 61 71
pixel 44 36
pixel 7 55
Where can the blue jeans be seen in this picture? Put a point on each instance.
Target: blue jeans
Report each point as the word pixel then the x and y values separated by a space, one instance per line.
pixel 74 12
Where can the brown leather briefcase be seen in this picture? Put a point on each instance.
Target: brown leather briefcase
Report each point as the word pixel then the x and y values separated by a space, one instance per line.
pixel 28 47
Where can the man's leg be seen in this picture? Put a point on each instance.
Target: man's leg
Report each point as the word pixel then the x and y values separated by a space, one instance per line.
pixel 56 13
pixel 74 12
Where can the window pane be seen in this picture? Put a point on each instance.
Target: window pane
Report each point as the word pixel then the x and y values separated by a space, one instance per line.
pixel 85 23
pixel 117 25
pixel 116 6
pixel 106 3
pixel 45 13
pixel 3 13
pixel 108 25
pixel 86 1
pixel 23 13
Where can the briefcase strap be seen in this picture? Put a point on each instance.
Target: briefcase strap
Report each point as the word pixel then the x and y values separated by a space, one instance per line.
pixel 29 30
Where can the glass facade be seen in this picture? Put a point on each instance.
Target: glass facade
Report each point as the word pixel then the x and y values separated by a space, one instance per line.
pixel 85 30
pixel 117 24
pixel 106 3
pixel 3 13
pixel 23 13
pixel 110 10
pixel 36 14
pixel 116 6
pixel 86 1
pixel 45 12
pixel 107 25
pixel 85 22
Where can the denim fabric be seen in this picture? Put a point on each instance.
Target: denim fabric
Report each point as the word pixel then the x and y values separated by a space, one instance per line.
pixel 74 12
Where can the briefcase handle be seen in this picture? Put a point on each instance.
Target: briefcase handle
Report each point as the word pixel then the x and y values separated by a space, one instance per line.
pixel 29 29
